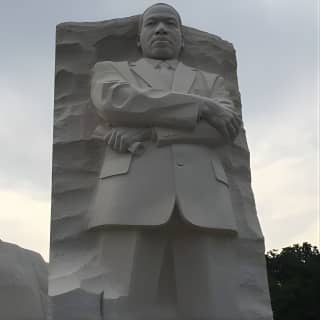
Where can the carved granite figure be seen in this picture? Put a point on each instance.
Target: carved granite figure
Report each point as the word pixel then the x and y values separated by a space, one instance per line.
pixel 175 192
pixel 183 113
pixel 165 219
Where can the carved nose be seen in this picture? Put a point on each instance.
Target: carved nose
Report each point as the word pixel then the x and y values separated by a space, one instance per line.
pixel 161 29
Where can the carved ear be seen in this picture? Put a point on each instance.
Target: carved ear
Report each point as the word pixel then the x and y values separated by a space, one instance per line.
pixel 182 45
pixel 182 39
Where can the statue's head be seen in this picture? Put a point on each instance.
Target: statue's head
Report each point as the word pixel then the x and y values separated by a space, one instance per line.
pixel 160 32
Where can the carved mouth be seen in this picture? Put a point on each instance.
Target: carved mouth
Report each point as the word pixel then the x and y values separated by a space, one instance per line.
pixel 164 41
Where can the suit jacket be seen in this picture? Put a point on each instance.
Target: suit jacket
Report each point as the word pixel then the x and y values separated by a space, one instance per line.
pixel 181 167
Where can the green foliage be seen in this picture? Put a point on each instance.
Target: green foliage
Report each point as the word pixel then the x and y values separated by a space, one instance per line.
pixel 294 281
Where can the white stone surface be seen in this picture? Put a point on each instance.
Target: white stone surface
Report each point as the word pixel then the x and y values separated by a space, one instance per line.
pixel 93 261
pixel 23 284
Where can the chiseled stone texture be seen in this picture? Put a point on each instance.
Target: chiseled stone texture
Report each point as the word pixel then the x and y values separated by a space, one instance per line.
pixel 77 155
pixel 76 305
pixel 23 284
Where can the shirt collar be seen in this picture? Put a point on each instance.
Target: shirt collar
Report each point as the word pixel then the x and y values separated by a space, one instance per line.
pixel 173 63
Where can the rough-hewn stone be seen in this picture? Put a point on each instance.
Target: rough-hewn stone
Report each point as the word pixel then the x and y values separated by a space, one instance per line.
pixel 23 284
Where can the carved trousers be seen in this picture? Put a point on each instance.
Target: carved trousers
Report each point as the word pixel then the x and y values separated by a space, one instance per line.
pixel 175 272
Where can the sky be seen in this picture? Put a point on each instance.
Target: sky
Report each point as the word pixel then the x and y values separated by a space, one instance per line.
pixel 277 49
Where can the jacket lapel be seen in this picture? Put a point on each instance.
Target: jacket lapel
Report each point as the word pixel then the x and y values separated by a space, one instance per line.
pixel 183 78
pixel 147 73
pixel 124 69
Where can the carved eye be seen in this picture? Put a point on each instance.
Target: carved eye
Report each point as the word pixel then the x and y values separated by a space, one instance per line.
pixel 150 23
pixel 172 23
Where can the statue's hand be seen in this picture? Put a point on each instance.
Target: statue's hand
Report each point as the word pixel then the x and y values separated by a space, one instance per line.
pixel 225 120
pixel 121 138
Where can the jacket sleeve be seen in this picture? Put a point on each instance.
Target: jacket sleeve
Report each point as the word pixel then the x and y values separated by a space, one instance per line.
pixel 203 133
pixel 121 103
pixel 220 95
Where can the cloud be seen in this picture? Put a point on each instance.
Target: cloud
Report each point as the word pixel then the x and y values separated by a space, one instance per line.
pixel 25 221
pixel 25 139
pixel 286 201
pixel 284 150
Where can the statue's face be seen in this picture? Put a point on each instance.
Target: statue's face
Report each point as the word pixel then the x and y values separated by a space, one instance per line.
pixel 160 34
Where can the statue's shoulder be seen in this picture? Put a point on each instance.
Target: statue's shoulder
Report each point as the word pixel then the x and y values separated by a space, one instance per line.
pixel 110 65
pixel 208 76
pixel 111 70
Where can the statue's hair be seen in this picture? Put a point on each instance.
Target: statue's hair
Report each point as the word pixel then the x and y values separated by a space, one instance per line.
pixel 157 4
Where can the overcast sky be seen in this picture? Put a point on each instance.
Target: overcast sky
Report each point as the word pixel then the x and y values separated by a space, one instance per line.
pixel 278 69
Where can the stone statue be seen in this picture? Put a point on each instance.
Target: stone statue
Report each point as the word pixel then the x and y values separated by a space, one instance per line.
pixel 163 212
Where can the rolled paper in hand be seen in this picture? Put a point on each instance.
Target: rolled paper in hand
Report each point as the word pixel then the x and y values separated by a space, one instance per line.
pixel 136 148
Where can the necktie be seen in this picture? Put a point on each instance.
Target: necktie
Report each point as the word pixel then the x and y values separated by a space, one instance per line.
pixel 166 73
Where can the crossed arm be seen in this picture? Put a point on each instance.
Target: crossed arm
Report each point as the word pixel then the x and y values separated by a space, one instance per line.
pixel 132 111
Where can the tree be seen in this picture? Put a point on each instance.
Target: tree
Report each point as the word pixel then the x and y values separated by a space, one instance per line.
pixel 294 281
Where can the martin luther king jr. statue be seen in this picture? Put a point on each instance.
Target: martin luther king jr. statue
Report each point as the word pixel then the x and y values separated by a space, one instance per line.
pixel 163 205
pixel 175 192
